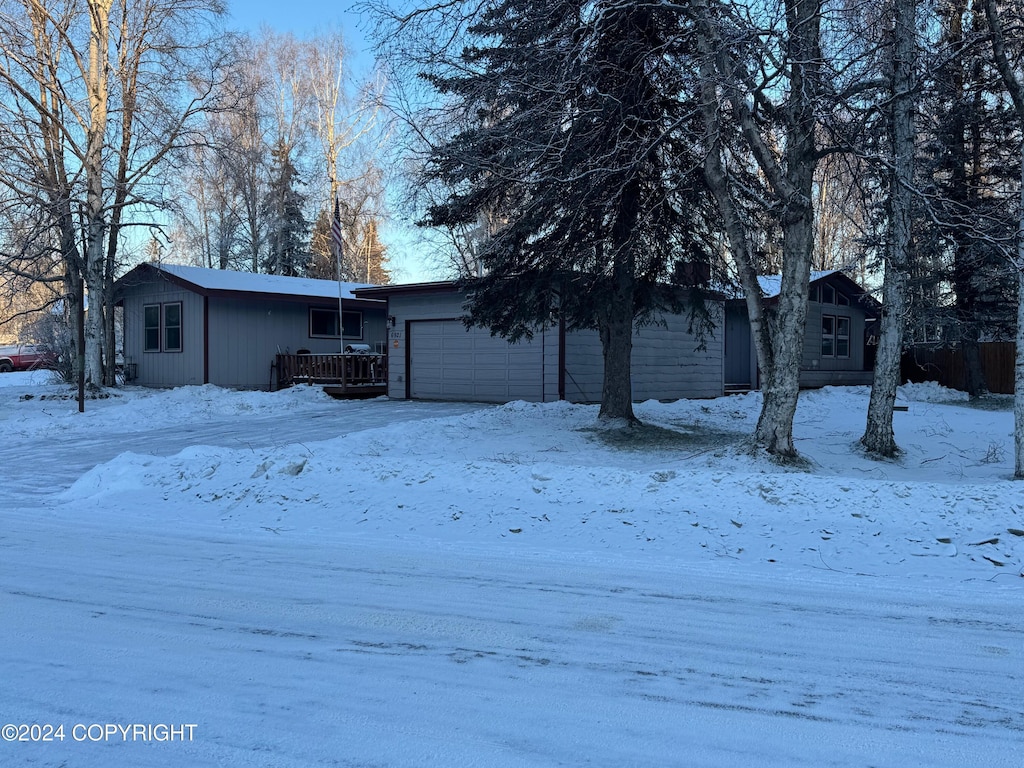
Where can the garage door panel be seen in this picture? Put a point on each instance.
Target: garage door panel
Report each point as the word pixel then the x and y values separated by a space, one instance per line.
pixel 463 359
pixel 490 375
pixel 521 376
pixel 490 359
pixel 450 362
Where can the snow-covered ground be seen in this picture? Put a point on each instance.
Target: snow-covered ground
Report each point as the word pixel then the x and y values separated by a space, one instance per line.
pixel 306 582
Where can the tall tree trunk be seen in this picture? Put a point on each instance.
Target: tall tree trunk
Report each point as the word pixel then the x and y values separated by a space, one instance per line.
pixel 736 230
pixel 794 185
pixel 95 226
pixel 779 341
pixel 616 329
pixel 781 386
pixel 617 348
pixel 879 438
pixel 975 382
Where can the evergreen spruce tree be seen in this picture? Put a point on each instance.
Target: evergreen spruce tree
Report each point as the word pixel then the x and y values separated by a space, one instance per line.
pixel 287 230
pixel 576 153
pixel 969 165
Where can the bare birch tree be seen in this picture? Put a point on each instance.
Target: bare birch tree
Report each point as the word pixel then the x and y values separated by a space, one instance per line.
pixel 109 90
pixel 879 438
pixel 737 92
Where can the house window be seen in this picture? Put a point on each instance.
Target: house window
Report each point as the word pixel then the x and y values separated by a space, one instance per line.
pixel 172 327
pixel 352 325
pixel 835 336
pixel 842 337
pixel 162 327
pixel 828 294
pixel 151 321
pixel 323 323
pixel 842 300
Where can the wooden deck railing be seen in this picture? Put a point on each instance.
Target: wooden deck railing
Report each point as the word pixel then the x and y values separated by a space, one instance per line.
pixel 348 371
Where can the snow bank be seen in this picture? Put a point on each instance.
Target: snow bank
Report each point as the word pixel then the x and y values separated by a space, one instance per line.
pixel 544 477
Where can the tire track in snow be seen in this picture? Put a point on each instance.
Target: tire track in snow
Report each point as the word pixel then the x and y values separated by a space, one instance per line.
pixel 530 661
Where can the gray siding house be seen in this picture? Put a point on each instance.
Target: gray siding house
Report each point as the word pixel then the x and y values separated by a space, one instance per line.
pixel 190 325
pixel 838 340
pixel 433 356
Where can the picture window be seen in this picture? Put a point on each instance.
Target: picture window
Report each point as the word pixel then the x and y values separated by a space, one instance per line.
pixel 323 323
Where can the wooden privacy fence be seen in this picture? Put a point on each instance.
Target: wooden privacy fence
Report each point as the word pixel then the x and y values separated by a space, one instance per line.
pixel 945 365
pixel 347 372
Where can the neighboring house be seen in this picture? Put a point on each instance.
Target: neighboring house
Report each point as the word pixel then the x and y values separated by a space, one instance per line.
pixel 433 356
pixel 190 325
pixel 838 342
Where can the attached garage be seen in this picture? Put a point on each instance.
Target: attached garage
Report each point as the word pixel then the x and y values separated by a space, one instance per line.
pixel 433 356
pixel 449 362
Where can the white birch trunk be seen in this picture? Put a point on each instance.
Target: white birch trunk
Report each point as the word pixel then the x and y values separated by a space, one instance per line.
pixel 779 339
pixel 879 438
pixel 95 227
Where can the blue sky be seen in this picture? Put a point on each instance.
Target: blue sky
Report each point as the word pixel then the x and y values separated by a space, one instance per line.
pixel 304 17
pixel 301 17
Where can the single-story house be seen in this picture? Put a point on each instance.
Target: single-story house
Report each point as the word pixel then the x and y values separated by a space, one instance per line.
pixel 433 356
pixel 839 341
pixel 190 325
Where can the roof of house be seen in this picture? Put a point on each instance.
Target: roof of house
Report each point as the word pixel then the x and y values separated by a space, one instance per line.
pixel 224 282
pixel 771 285
pixel 437 286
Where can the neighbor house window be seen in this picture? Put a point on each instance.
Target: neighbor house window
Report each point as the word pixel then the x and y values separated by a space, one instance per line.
pixel 162 327
pixel 835 336
pixel 842 337
pixel 323 323
pixel 151 321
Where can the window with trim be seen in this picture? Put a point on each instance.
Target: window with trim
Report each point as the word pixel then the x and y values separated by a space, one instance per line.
pixel 172 327
pixel 151 323
pixel 161 325
pixel 323 323
pixel 835 336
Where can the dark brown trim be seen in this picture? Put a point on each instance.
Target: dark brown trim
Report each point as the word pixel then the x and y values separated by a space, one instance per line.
pixel 408 359
pixel 206 339
pixel 441 286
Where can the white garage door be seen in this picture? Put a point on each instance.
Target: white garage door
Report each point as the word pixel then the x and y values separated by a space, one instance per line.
pixel 447 362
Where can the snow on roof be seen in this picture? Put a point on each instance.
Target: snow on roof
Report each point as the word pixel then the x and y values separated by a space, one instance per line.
pixel 771 285
pixel 250 282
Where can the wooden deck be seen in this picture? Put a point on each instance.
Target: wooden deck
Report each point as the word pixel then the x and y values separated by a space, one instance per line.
pixel 342 375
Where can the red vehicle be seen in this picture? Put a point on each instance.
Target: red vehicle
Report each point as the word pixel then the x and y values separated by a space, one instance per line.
pixel 26 357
